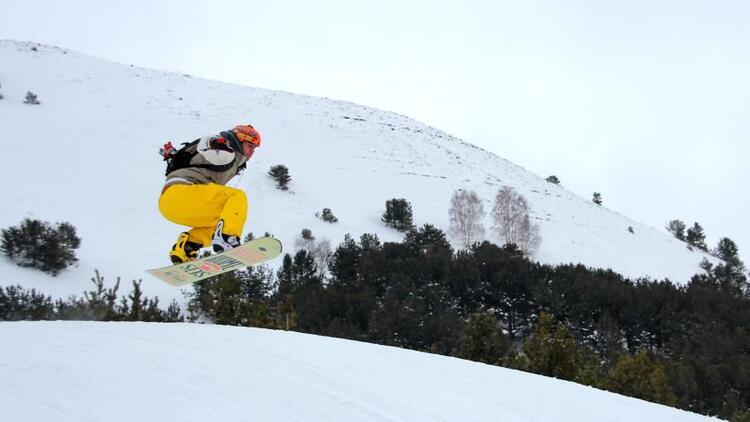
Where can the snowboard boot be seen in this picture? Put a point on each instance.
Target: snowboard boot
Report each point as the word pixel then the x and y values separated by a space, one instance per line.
pixel 184 250
pixel 223 242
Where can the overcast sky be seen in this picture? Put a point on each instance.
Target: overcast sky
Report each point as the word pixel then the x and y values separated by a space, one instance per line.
pixel 643 101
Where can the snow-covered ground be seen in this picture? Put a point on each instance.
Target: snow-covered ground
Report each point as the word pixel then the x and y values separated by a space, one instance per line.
pixel 95 371
pixel 88 155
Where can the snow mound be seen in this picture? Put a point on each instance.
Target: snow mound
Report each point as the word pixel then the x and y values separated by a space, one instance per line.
pixel 73 371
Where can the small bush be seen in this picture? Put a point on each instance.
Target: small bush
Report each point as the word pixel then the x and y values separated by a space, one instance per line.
pixel 327 216
pixel 280 173
pixel 307 234
pixel 553 179
pixel 39 245
pixel 31 98
pixel 597 198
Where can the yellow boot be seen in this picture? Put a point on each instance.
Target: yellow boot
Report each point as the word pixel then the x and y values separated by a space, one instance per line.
pixel 184 250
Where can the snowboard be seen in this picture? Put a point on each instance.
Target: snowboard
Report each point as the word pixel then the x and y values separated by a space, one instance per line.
pixel 248 254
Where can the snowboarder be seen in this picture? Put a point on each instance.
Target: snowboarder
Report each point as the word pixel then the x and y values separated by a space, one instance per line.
pixel 195 194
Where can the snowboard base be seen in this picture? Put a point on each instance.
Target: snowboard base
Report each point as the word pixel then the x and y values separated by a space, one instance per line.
pixel 246 255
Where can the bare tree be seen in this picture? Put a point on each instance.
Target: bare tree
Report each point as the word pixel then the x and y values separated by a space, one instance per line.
pixel 466 215
pixel 510 217
pixel 320 250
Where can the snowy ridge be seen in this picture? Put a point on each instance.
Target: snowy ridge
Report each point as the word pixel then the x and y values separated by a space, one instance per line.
pixel 193 372
pixel 99 125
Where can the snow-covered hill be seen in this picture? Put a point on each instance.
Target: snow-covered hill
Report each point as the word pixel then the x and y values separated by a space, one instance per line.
pixel 74 371
pixel 88 155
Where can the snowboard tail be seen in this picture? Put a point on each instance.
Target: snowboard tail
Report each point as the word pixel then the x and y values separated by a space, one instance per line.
pixel 246 255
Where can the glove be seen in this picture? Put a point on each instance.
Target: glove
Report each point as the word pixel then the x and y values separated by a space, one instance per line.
pixel 167 151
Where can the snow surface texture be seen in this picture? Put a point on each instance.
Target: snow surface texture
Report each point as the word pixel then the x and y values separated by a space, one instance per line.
pixel 88 155
pixel 81 371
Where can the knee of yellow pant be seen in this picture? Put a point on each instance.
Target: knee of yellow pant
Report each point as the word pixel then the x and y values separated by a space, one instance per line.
pixel 165 206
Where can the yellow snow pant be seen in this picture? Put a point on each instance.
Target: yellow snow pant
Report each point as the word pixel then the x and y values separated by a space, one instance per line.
pixel 202 206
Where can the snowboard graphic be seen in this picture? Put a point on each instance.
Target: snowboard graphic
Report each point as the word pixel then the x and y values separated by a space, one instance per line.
pixel 251 253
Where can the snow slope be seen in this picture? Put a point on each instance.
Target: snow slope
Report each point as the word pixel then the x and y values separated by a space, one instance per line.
pixel 76 371
pixel 88 155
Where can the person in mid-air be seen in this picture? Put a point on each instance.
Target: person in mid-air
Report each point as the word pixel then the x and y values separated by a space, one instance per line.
pixel 195 194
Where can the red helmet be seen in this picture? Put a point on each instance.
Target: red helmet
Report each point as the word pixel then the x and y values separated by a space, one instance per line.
pixel 247 133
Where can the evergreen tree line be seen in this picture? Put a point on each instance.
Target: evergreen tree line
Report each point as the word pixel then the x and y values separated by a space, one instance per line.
pixel 684 346
pixel 98 304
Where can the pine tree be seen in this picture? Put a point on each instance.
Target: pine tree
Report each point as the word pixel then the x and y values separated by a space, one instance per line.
pixel 100 303
pixel 31 98
pixel 398 214
pixel 731 274
pixel 677 228
pixel 696 238
pixel 136 298
pixel 483 341
pixel 551 350
pixel 285 276
pixel 280 173
pixel 639 376
pixel 39 245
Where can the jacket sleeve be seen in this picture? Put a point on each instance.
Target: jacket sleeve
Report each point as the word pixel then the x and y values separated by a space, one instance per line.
pixel 214 156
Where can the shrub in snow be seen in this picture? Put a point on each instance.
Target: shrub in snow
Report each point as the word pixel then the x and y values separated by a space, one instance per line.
pixel 553 179
pixel 280 173
pixel 327 216
pixel 31 98
pixel 39 245
pixel 597 198
pixel 398 214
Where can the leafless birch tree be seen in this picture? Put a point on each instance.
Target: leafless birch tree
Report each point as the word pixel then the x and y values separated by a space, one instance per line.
pixel 466 216
pixel 510 218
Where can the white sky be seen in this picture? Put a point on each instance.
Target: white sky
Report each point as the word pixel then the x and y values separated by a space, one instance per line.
pixel 643 101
